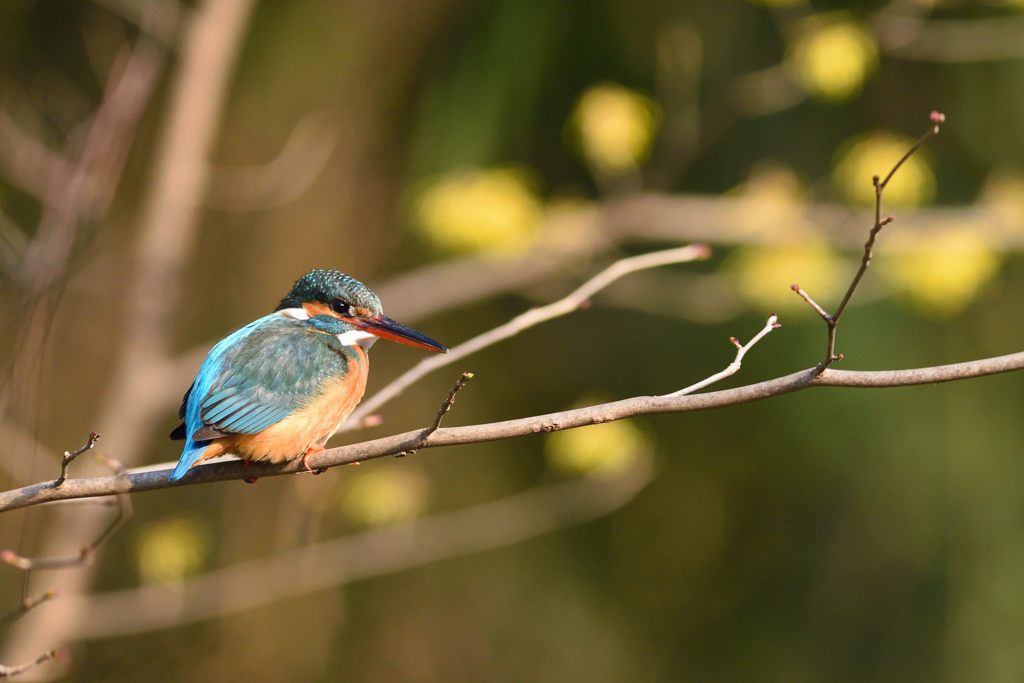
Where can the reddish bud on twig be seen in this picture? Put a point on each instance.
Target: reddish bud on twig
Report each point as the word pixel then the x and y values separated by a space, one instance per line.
pixel 735 342
pixel 937 117
pixel 703 251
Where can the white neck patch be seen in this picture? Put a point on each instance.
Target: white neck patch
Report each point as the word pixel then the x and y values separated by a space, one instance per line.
pixel 297 313
pixel 357 338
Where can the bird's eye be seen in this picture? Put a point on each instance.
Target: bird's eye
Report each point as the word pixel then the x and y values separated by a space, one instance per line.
pixel 341 308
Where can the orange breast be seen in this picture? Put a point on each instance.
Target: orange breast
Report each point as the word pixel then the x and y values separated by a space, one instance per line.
pixel 308 426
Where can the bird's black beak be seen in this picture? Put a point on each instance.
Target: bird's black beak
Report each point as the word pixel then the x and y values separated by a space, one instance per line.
pixel 386 328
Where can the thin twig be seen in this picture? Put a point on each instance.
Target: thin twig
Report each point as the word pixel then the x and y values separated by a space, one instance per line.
pixel 8 671
pixel 832 319
pixel 535 316
pixel 445 407
pixel 822 313
pixel 69 456
pixel 733 367
pixel 29 603
pixel 87 552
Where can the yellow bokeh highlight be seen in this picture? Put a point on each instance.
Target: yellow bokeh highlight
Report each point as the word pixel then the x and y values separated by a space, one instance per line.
pixel 942 273
pixel 381 495
pixel 763 275
pixel 603 449
pixel 875 154
pixel 615 127
pixel 831 59
pixel 1003 194
pixel 171 549
pixel 774 202
pixel 488 210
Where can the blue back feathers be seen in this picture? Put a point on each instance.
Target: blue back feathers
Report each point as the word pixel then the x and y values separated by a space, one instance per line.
pixel 256 377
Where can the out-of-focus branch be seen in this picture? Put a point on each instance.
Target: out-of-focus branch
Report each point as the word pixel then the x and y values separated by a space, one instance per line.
pixel 6 671
pixel 281 180
pixel 84 192
pixel 161 19
pixel 535 316
pixel 210 40
pixel 340 561
pixel 918 38
pixel 25 161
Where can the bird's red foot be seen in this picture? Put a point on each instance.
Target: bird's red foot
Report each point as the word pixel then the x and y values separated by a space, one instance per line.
pixel 249 480
pixel 310 452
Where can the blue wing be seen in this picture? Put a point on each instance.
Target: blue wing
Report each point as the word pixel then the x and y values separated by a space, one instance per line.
pixel 254 378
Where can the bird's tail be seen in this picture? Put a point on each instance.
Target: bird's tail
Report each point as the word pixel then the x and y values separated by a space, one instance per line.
pixel 190 455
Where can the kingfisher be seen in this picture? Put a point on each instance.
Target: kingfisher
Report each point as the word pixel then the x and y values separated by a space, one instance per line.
pixel 278 388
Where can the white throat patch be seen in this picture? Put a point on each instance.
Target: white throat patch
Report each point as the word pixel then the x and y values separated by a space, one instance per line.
pixel 357 338
pixel 297 313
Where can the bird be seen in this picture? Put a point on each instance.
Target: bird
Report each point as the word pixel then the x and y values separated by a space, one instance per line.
pixel 278 388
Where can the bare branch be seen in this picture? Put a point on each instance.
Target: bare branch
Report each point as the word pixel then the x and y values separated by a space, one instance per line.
pixel 157 477
pixel 525 321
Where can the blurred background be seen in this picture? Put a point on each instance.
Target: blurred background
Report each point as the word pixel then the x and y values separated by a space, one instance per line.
pixel 168 169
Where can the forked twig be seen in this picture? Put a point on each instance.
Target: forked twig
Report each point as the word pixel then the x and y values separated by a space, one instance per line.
pixel 69 456
pixel 445 407
pixel 733 367
pixel 832 319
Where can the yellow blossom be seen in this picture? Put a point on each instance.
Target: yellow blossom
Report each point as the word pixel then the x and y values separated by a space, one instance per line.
pixel 488 210
pixel 763 275
pixel 774 202
pixel 384 495
pixel 171 549
pixel 832 58
pixel 615 127
pixel 1004 195
pixel 875 154
pixel 602 449
pixel 943 272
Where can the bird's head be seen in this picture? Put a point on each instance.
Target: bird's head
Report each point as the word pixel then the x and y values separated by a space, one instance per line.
pixel 340 304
